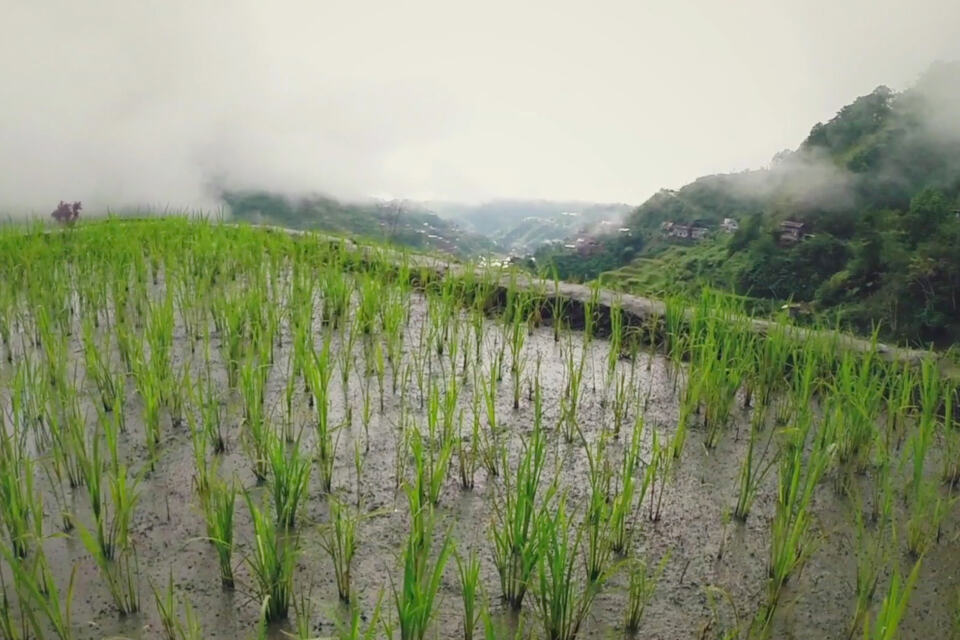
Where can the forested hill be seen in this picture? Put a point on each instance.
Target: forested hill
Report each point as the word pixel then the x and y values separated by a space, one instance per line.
pixel 380 221
pixel 878 190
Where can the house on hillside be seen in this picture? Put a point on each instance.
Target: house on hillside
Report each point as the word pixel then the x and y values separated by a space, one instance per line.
pixel 683 231
pixel 792 232
pixel 730 225
pixel 588 246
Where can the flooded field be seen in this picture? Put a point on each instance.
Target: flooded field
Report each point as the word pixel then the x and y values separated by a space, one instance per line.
pixel 176 365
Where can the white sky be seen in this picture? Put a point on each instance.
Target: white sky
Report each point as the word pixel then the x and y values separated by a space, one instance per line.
pixel 116 102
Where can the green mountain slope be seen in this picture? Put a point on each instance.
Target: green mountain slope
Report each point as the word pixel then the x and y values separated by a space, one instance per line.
pixel 878 188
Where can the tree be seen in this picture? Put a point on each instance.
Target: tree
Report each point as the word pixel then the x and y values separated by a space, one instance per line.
pixel 66 213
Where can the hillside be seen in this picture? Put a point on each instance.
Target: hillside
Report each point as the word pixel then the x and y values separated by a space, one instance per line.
pixel 877 189
pixel 389 222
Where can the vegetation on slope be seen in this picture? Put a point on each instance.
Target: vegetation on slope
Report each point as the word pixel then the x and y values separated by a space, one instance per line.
pixel 389 222
pixel 878 188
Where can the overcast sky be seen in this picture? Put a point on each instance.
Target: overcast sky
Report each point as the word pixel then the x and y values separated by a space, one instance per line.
pixel 136 101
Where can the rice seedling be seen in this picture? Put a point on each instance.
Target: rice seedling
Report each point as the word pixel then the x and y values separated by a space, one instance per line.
pixel 757 463
pixel 318 372
pixel 468 570
pixel 416 597
pixel 562 602
pixel 289 479
pixel 657 475
pixel 622 509
pixel 640 590
pixel 97 367
pixel 121 574
pixel 354 628
pixel 885 625
pixel 166 604
pixel 40 595
pixel 596 520
pixel 338 539
pixel 21 509
pixel 872 555
pixel 490 451
pixel 518 519
pixel 431 464
pixel 257 432
pixel 791 539
pixel 468 454
pixel 272 561
pixel 621 401
pixel 515 336
pixel 218 510
pixel 570 402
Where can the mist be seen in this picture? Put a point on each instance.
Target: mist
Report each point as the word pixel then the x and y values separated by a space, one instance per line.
pixel 164 104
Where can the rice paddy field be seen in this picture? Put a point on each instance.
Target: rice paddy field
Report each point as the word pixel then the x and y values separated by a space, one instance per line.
pixel 211 431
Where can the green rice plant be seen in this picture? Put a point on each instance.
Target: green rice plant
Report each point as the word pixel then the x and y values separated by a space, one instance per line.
pixel 338 539
pixel 218 510
pixel 97 367
pixel 757 463
pixel 766 374
pixel 926 512
pixel 514 320
pixel 951 436
pixel 318 375
pixel 570 401
pixel 257 433
pixel 21 508
pixel 490 450
pixel 39 595
pixel 149 388
pixel 885 625
pixel 167 605
pixel 562 602
pixel 289 479
pixel 431 463
pixel 124 497
pixel 189 628
pixel 596 520
pixel 625 494
pixel 393 319
pixel 345 356
pixel 518 518
pixel 354 629
pixel 640 590
pixel 621 402
pixel 120 574
pixel 175 392
pixel 199 438
pixel 272 562
pixel 791 540
pixel 336 296
pixel 858 397
pixel 211 415
pixel 657 475
pixel 616 337
pixel 468 570
pixel 468 454
pixel 416 596
pixel 872 555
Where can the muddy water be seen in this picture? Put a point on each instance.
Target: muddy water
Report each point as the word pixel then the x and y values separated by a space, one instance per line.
pixel 716 572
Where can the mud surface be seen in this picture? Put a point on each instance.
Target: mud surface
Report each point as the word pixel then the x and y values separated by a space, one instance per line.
pixel 716 572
